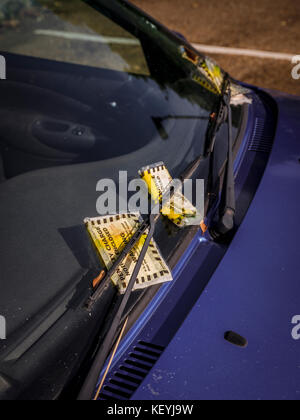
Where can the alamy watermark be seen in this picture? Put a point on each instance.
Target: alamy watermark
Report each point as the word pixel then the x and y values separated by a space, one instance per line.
pixel 296 328
pixel 296 68
pixel 2 328
pixel 2 68
pixel 133 196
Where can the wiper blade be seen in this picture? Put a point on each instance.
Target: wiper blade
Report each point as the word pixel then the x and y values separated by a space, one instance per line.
pixel 227 206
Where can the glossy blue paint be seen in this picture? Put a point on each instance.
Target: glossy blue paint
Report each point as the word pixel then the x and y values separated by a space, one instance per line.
pixel 254 292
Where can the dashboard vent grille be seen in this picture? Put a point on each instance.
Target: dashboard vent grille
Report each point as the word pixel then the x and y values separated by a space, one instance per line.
pixel 261 140
pixel 125 380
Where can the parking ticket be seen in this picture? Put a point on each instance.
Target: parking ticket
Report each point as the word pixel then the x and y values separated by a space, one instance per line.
pixel 110 235
pixel 178 208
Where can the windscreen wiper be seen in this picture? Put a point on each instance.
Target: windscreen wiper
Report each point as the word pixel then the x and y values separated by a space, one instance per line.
pixel 89 386
pixel 227 206
pixel 90 383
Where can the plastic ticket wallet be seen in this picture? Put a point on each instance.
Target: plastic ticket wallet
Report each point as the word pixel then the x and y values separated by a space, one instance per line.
pixel 110 235
pixel 178 209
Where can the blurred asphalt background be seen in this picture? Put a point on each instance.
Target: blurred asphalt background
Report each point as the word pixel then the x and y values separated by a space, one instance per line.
pixel 268 25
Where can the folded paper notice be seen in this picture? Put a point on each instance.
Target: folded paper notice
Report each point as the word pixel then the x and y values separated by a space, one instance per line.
pixel 110 234
pixel 178 208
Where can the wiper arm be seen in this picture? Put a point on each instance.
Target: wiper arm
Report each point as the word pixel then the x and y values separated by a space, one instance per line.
pixel 227 206
pixel 217 117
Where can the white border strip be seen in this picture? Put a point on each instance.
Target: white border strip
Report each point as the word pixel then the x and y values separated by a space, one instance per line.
pixel 87 37
pixel 211 49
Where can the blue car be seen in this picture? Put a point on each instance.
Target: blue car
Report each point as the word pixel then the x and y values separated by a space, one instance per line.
pixel 89 89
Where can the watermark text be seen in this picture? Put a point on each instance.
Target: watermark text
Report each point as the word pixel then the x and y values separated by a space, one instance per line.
pixel 2 68
pixel 2 328
pixel 296 68
pixel 133 196
pixel 296 328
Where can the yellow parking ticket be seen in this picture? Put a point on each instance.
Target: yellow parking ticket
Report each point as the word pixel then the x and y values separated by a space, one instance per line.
pixel 178 209
pixel 110 234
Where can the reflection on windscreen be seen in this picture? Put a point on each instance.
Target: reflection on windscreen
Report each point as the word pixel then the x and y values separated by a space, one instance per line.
pixel 55 30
